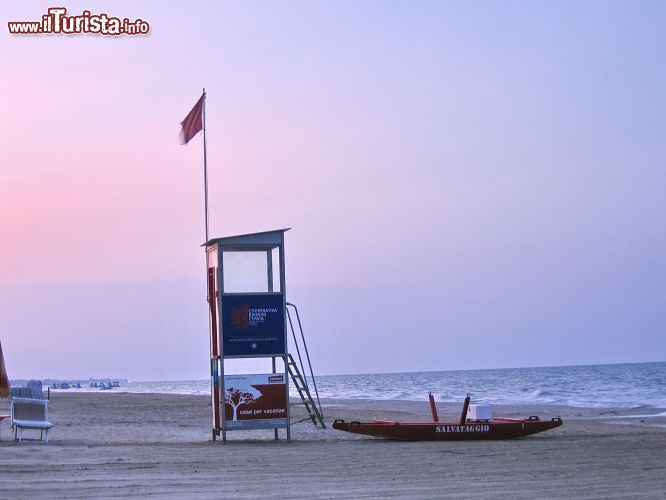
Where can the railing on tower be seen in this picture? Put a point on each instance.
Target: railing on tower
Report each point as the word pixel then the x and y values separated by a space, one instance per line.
pixel 300 377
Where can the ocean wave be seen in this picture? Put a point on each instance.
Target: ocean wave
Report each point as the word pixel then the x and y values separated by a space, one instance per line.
pixel 627 386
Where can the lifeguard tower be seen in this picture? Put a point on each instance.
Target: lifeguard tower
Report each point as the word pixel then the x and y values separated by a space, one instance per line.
pixel 249 317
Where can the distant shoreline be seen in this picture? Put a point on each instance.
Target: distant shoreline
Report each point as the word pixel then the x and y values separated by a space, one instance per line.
pixel 626 385
pixel 125 379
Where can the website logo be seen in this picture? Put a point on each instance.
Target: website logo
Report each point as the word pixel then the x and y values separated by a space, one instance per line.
pixel 57 22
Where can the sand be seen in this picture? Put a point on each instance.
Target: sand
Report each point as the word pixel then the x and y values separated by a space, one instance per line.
pixel 124 445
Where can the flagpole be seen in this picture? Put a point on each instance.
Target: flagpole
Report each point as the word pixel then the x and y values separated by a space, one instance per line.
pixel 205 164
pixel 213 296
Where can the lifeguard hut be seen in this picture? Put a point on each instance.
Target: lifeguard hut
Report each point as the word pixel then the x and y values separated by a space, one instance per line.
pixel 249 317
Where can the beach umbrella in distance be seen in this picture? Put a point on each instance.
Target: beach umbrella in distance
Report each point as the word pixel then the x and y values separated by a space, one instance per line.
pixel 4 379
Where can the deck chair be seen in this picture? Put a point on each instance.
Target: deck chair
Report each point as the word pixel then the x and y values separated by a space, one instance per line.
pixel 20 392
pixel 32 390
pixel 30 414
pixel 36 391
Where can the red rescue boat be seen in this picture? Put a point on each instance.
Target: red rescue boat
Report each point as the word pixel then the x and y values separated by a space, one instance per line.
pixel 465 428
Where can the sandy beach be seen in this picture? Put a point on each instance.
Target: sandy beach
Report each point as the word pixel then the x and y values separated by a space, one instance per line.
pixel 124 445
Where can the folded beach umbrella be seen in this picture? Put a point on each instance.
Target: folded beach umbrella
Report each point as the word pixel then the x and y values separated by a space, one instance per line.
pixel 4 380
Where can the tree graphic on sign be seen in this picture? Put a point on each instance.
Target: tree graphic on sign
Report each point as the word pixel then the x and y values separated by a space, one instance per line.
pixel 235 398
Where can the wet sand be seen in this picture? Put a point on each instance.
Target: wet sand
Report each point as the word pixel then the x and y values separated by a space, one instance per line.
pixel 124 445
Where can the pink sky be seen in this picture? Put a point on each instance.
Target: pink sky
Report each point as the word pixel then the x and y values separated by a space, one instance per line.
pixel 470 185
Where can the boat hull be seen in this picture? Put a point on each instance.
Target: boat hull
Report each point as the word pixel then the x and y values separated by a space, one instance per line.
pixel 497 428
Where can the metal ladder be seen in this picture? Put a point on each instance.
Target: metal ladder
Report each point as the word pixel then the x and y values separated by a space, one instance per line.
pixel 300 382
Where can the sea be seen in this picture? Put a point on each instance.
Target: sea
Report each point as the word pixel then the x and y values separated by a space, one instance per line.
pixel 630 385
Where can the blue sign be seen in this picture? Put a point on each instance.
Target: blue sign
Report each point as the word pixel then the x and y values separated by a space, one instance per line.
pixel 253 325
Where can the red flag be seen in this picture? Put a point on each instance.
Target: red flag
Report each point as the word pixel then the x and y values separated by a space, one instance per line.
pixel 193 122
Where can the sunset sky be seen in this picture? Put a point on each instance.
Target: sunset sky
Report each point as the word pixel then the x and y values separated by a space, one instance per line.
pixel 470 184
